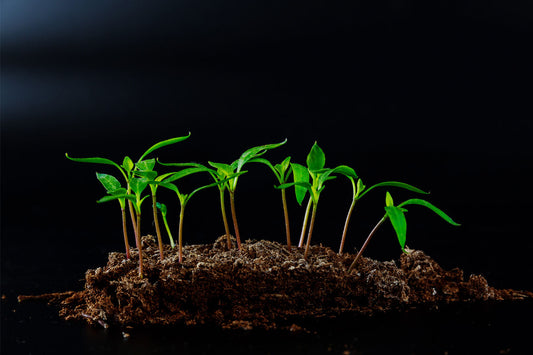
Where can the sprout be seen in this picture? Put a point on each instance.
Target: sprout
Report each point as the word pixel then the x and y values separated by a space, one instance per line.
pixel 282 172
pixel 233 169
pixel 396 214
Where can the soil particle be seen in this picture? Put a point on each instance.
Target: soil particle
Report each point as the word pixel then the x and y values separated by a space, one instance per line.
pixel 264 285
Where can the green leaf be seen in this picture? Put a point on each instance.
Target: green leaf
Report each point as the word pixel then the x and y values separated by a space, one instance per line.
pixel 127 164
pixel 116 197
pixel 346 171
pixel 138 185
pixel 149 175
pixel 163 144
pixel 146 165
pixel 283 166
pixel 222 169
pixel 170 186
pixel 300 175
pixel 394 184
pixel 316 159
pixel 109 182
pixel 254 153
pixel 416 201
pixel 360 187
pixel 97 160
pixel 388 200
pixel 399 223
pixel 191 164
pixel 185 172
pixel 119 191
pixel 162 207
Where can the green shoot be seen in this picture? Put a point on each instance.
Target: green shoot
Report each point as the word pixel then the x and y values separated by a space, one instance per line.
pixel 316 160
pixel 359 190
pixel 282 172
pixel 396 214
pixel 163 208
pixel 113 187
pixel 233 169
pixel 184 198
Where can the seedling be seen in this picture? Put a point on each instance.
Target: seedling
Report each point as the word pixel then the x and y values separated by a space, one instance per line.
pixel 282 172
pixel 163 208
pixel 396 214
pixel 359 190
pixel 316 160
pixel 184 198
pixel 228 170
pixel 127 170
pixel 113 188
pixel 221 182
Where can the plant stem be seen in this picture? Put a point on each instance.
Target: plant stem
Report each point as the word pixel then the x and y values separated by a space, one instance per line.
pixel 304 226
pixel 311 225
pixel 286 213
pixel 172 244
pixel 224 217
pixel 365 244
pixel 125 231
pixel 139 244
pixel 345 230
pixel 157 229
pixel 234 216
pixel 132 216
pixel 180 232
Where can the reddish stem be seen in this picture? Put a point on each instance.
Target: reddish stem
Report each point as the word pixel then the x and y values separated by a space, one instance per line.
pixel 234 217
pixel 365 244
pixel 125 231
pixel 311 225
pixel 345 230
pixel 286 213
pixel 157 229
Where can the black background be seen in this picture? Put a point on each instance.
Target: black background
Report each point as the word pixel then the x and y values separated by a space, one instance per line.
pixel 436 94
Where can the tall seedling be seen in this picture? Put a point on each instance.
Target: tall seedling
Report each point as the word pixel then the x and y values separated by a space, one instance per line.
pixel 233 169
pixel 282 172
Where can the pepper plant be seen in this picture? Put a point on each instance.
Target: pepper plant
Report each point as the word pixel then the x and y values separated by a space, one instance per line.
pixel 282 171
pixel 396 214
pixel 233 169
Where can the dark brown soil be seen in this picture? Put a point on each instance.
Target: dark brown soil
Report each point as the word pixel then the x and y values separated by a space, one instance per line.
pixel 263 286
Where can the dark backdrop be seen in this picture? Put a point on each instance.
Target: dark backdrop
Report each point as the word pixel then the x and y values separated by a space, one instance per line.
pixel 435 94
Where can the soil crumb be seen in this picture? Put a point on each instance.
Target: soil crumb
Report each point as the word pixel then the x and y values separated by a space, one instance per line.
pixel 263 286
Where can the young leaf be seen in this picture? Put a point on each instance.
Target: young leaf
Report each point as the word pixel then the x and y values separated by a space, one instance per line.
pixel 300 175
pixel 109 182
pixel 254 153
pixel 388 200
pixel 394 184
pixel 163 144
pixel 116 197
pixel 416 201
pixel 283 166
pixel 127 164
pixel 223 169
pixel 95 160
pixel 138 185
pixel 399 223
pixel 163 208
pixel 316 159
pixel 146 165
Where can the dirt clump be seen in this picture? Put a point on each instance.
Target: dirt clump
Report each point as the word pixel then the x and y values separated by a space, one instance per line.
pixel 264 286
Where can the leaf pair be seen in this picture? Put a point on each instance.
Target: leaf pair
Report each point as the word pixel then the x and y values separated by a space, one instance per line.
pixel 396 214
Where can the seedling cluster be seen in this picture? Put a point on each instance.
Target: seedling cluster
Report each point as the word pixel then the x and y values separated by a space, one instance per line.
pixel 306 180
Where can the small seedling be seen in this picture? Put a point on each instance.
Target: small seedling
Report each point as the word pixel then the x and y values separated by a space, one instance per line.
pixel 228 170
pixel 184 198
pixel 113 188
pixel 316 160
pixel 163 208
pixel 282 172
pixel 396 214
